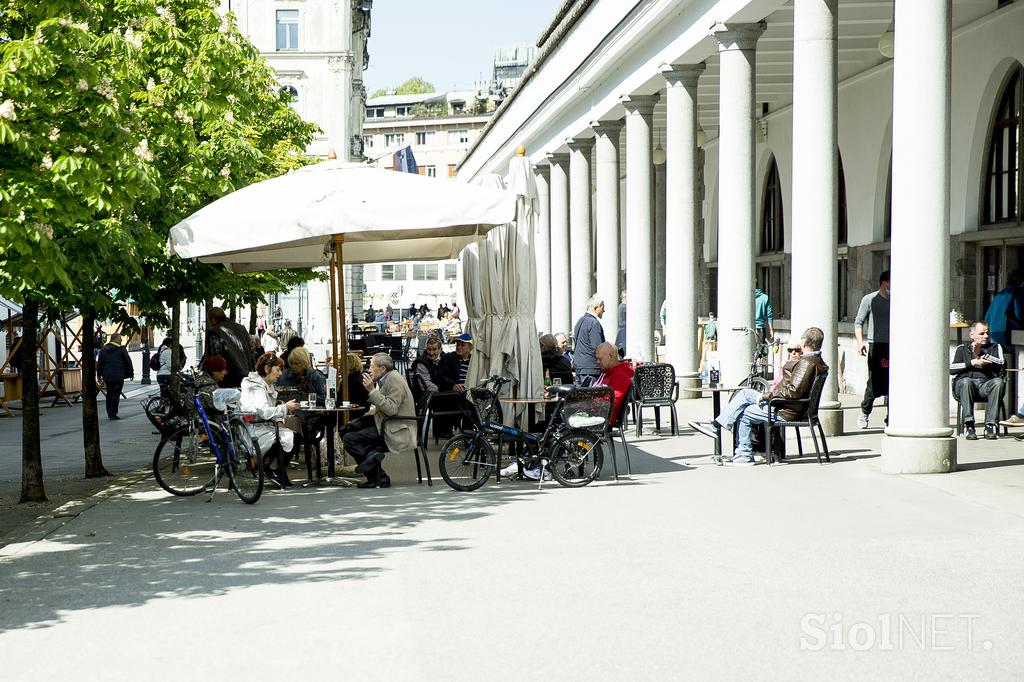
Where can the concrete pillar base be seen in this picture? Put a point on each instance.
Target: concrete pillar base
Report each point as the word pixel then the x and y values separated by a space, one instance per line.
pixel 831 421
pixel 902 455
pixel 688 380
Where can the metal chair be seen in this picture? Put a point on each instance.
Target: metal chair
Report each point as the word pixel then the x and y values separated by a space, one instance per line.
pixel 809 407
pixel 618 428
pixel 960 411
pixel 655 386
pixel 421 450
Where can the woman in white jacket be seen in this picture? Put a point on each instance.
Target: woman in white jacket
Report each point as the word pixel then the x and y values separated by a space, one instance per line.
pixel 277 443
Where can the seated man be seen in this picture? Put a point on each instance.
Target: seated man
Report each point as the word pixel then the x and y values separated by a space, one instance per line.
pixel 977 370
pixel 615 374
pixel 748 407
pixel 452 370
pixel 366 439
pixel 425 368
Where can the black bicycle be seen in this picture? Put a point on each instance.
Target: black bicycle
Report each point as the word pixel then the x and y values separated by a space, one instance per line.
pixel 202 452
pixel 567 448
pixel 761 369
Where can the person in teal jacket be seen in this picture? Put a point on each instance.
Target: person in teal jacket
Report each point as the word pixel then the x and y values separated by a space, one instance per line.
pixel 764 316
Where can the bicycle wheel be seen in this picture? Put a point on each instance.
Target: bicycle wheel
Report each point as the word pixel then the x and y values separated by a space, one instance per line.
pixel 466 461
pixel 188 465
pixel 246 470
pixel 576 458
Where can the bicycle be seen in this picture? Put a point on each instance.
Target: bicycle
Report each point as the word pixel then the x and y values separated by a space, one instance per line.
pixel 761 370
pixel 204 451
pixel 572 454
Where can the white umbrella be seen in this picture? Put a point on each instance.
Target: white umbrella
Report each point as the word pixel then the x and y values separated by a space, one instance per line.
pixel 336 212
pixel 289 221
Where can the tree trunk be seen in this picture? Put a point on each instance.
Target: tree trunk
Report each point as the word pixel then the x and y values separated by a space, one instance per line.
pixel 90 412
pixel 175 386
pixel 252 318
pixel 31 451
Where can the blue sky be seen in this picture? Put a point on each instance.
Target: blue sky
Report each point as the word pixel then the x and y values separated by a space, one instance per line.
pixel 448 42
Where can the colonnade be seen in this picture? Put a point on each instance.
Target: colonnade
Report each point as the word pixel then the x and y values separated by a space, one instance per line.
pixel 918 440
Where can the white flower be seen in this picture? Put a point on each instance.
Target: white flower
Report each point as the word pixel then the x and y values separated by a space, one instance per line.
pixel 226 170
pixel 54 134
pixel 161 11
pixel 150 84
pixel 142 151
pixel 47 162
pixel 229 117
pixel 132 38
pixel 13 66
pixel 45 230
pixel 7 111
pixel 82 85
pixel 79 149
pixel 180 114
pixel 21 216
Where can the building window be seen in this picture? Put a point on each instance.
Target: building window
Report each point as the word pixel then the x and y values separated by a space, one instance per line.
pixel 425 137
pixel 458 136
pixel 394 139
pixel 451 271
pixel 287 29
pixel 393 272
pixel 291 94
pixel 403 111
pixel 842 288
pixel 773 227
pixel 422 272
pixel 771 278
pixel 429 171
pixel 367 141
pixel 375 112
pixel 1002 174
pixel 452 170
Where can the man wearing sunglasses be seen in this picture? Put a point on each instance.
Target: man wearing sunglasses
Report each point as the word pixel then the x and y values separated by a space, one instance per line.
pixel 748 407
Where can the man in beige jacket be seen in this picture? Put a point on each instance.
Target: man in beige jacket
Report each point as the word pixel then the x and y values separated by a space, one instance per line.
pixel 369 438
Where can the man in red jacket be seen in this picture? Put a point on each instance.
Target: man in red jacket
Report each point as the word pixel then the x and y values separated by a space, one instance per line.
pixel 615 374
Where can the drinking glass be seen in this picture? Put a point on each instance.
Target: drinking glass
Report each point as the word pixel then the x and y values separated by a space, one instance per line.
pixel 329 403
pixel 556 381
pixel 312 399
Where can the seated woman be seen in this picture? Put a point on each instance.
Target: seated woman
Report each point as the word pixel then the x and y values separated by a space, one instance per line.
pixel 553 361
pixel 215 368
pixel 357 393
pixel 277 443
pixel 302 375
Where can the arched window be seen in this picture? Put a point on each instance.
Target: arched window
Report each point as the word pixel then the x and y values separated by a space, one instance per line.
pixel 773 226
pixel 887 225
pixel 1003 170
pixel 844 229
pixel 290 93
pixel 843 260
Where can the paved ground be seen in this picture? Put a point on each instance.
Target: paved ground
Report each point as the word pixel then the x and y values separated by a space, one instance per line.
pixel 686 571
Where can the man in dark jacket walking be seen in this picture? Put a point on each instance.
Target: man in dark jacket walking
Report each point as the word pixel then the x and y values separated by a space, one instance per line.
pixel 113 367
pixel 230 340
pixel 589 334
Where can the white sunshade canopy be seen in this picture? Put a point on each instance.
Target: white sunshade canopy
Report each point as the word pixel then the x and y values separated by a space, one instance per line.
pixel 288 221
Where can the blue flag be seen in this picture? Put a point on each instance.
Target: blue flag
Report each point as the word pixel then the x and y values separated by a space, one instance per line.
pixel 404 161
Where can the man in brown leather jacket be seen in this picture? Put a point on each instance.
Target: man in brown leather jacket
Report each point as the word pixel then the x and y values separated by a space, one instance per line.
pixel 748 407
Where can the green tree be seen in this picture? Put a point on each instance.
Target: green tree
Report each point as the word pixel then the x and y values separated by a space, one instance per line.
pixel 412 86
pixel 72 164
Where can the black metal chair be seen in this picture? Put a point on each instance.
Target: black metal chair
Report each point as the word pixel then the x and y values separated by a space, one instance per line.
pixel 809 407
pixel 618 428
pixel 435 404
pixel 421 451
pixel 655 386
pixel 961 417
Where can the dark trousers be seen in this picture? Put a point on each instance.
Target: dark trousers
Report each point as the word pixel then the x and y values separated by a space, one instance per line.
pixel 970 390
pixel 878 375
pixel 113 396
pixel 164 380
pixel 362 439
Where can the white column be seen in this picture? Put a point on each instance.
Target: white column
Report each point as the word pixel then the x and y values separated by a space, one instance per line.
pixel 561 316
pixel 815 182
pixel 582 265
pixel 682 216
pixel 607 247
pixel 736 215
pixel 659 243
pixel 542 240
pixel 639 227
pixel 918 438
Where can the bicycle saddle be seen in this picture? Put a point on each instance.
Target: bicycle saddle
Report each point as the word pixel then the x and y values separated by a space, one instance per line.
pixel 222 397
pixel 564 390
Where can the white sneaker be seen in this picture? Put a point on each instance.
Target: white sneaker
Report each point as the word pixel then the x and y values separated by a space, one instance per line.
pixel 510 471
pixel 862 421
pixel 759 457
pixel 534 474
pixel 707 428
pixel 739 462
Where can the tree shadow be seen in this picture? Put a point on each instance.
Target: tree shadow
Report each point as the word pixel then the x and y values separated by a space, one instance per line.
pixel 143 544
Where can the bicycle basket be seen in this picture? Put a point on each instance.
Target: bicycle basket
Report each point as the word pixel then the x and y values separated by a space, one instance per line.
pixel 226 397
pixel 588 408
pixel 485 401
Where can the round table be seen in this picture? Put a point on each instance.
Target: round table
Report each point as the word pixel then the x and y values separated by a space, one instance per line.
pixel 716 406
pixel 330 439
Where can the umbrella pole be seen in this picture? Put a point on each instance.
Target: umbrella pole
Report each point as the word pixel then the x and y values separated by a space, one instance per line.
pixel 339 278
pixel 334 326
